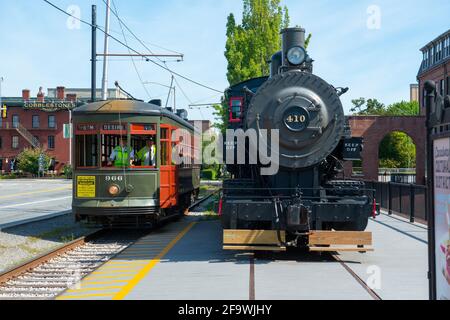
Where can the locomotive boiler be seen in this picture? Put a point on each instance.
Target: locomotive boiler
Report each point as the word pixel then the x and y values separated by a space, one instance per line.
pixel 307 202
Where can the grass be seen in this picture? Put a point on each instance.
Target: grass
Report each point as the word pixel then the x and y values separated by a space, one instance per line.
pixel 28 249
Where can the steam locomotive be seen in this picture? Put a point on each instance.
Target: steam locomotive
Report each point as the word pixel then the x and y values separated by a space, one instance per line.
pixel 305 203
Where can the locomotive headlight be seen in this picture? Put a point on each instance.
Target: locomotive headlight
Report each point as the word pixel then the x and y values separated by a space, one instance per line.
pixel 296 55
pixel 114 190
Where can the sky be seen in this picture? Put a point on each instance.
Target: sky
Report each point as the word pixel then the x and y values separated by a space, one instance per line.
pixel 372 47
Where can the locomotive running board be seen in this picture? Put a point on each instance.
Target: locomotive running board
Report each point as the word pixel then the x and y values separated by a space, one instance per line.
pixel 336 241
pixel 253 240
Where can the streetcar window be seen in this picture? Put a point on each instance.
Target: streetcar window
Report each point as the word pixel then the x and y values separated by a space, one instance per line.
pixel 86 151
pixel 108 143
pixel 165 146
pixel 142 158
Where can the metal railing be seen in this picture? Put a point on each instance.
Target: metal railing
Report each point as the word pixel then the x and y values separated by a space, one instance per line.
pixel 407 200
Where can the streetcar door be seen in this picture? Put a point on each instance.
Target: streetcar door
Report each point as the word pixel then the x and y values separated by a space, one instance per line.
pixel 168 183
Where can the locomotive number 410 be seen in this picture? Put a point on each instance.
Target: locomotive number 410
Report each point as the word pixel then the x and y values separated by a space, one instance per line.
pixel 296 119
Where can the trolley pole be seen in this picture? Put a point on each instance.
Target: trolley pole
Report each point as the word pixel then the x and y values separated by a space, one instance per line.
pixel 94 53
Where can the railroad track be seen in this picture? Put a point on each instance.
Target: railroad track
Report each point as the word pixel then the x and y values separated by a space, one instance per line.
pixel 363 284
pixel 50 274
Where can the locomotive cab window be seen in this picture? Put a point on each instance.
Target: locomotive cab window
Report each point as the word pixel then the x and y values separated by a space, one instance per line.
pixel 236 105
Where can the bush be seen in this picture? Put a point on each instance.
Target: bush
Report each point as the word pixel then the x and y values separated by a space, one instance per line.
pixel 28 160
pixel 67 171
pixel 209 174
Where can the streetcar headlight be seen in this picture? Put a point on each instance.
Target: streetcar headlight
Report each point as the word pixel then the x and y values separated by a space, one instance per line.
pixel 114 190
pixel 296 55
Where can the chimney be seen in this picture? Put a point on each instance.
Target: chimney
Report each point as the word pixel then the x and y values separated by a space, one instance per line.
pixel 71 97
pixel 60 93
pixel 40 95
pixel 26 94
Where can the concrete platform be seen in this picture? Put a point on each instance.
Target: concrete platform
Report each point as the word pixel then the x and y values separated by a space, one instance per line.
pixel 185 260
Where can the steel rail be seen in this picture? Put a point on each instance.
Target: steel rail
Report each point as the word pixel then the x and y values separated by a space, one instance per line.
pixel 42 259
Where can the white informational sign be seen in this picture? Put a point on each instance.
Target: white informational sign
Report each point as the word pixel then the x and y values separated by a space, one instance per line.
pixel 442 216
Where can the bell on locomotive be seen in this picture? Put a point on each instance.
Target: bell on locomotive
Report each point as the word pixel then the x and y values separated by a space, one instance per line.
pixel 309 193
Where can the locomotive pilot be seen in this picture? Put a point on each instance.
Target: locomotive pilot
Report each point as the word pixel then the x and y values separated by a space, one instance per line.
pixel 147 154
pixel 122 155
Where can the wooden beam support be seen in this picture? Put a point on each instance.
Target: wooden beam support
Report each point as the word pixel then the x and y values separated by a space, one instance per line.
pixel 340 238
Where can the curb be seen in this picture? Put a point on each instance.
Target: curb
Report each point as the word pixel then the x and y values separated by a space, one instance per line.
pixel 36 219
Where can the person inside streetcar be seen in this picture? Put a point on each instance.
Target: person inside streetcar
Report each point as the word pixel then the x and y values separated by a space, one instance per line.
pixel 122 155
pixel 147 155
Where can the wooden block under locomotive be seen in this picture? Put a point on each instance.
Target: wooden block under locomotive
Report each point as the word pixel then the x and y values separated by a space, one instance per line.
pixel 308 197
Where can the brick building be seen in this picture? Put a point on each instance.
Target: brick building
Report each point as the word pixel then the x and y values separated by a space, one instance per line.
pixel 435 66
pixel 31 122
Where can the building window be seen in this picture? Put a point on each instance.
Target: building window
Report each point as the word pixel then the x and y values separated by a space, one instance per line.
pixel 15 142
pixel 1 122
pixel 15 121
pixel 442 87
pixel 448 85
pixel 35 122
pixel 52 122
pixel 0 142
pixel 51 142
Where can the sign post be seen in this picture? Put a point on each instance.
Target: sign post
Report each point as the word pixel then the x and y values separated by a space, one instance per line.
pixel 438 181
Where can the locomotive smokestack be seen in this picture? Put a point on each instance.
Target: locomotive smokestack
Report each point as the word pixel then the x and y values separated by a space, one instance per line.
pixel 293 54
pixel 292 37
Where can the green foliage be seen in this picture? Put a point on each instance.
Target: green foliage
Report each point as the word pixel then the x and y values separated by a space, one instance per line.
pixel 397 150
pixel 28 160
pixel 250 45
pixel 221 116
pixel 67 171
pixel 368 107
pixel 374 107
pixel 403 108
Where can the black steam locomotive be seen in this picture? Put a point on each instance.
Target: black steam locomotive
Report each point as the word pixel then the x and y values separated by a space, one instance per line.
pixel 307 202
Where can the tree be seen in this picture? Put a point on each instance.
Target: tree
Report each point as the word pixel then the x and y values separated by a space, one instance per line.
pixel 251 44
pixel 397 150
pixel 28 160
pixel 372 107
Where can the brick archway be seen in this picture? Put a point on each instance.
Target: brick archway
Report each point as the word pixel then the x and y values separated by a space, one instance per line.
pixel 375 128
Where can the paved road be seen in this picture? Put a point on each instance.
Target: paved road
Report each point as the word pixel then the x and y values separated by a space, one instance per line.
pixel 184 260
pixel 22 200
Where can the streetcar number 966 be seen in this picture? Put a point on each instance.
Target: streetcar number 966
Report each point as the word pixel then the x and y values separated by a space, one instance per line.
pixel 113 178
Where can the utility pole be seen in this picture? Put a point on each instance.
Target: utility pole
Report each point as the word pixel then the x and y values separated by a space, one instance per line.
pixel 1 104
pixel 94 54
pixel 105 60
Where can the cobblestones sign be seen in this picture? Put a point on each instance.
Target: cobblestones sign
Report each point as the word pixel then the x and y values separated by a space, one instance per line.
pixel 442 216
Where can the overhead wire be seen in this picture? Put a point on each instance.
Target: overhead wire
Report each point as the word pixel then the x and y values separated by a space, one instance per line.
pixel 132 49
pixel 116 13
